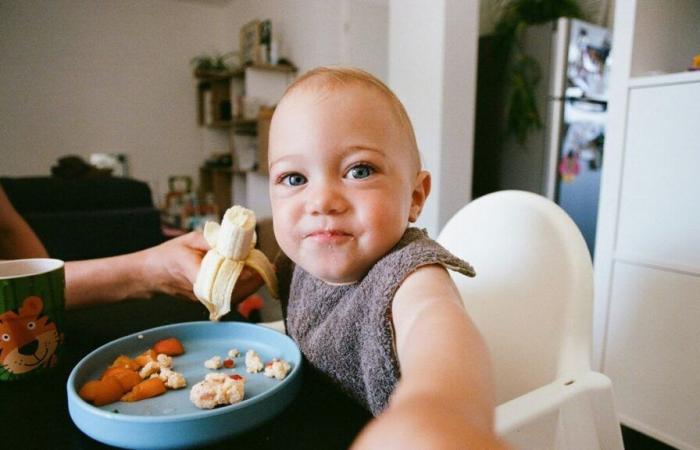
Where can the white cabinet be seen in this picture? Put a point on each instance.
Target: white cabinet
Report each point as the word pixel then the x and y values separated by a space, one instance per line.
pixel 647 266
pixel 652 355
pixel 659 220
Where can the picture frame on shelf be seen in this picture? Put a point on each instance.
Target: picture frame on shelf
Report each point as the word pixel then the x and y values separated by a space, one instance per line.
pixel 265 41
pixel 250 43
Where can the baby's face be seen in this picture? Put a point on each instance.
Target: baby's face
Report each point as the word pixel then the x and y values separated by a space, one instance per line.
pixel 341 180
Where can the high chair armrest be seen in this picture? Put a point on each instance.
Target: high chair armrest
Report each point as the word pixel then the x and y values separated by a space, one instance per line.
pixel 574 413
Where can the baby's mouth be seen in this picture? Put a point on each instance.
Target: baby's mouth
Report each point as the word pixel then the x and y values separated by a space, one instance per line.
pixel 329 236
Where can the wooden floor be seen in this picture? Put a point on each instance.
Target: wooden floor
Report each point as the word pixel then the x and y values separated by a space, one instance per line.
pixel 635 440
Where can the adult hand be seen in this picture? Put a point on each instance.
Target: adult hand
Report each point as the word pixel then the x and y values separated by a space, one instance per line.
pixel 172 267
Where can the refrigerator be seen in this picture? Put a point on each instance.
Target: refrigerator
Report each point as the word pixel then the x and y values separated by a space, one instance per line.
pixel 562 160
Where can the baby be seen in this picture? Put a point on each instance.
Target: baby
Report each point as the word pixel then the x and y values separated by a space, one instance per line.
pixel 368 298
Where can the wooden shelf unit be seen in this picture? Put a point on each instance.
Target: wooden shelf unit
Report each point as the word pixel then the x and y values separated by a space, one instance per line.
pixel 221 98
pixel 215 97
pixel 216 180
pixel 283 68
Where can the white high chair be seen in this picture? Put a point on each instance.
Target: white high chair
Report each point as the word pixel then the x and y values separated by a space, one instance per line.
pixel 532 300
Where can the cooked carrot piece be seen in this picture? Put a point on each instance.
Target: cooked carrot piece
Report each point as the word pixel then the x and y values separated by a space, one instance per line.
pixel 89 390
pixel 145 357
pixel 170 346
pixel 110 370
pixel 126 377
pixel 145 389
pixel 125 361
pixel 102 392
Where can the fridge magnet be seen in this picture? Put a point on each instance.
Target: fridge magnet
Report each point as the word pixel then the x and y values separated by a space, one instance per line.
pixel 569 167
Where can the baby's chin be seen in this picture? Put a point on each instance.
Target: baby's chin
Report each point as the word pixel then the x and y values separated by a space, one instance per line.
pixel 336 277
pixel 334 266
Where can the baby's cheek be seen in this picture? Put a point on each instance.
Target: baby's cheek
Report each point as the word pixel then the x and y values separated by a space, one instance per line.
pixel 282 231
pixel 385 225
pixel 386 215
pixel 284 240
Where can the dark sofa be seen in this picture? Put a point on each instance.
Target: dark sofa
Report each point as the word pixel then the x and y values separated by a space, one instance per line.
pixel 87 217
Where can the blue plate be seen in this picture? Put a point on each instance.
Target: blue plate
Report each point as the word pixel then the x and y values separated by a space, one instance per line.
pixel 171 420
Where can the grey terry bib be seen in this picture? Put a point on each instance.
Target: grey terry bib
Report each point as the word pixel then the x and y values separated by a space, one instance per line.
pixel 346 331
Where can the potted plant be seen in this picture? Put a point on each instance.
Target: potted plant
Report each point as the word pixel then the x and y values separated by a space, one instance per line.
pixel 214 65
pixel 523 71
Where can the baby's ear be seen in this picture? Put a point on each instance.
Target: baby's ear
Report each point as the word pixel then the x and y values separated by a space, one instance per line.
pixel 421 190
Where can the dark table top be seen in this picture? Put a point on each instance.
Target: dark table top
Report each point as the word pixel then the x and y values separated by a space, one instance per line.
pixel 34 411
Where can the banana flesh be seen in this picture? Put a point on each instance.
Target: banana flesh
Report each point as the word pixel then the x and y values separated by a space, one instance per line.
pixel 232 247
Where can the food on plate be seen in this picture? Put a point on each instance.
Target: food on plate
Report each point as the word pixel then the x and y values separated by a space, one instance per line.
pixel 130 379
pixel 213 363
pixel 172 379
pixel 126 362
pixel 146 357
pixel 232 246
pixel 218 389
pixel 149 369
pixel 101 392
pixel 229 363
pixel 170 346
pixel 253 363
pixel 151 387
pixel 277 368
pixel 164 360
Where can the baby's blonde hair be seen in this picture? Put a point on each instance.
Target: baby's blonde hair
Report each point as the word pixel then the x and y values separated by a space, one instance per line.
pixel 329 77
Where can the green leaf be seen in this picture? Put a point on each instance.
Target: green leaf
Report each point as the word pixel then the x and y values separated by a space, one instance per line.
pixel 522 115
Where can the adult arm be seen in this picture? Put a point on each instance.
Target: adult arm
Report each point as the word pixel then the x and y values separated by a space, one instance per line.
pixel 170 268
pixel 445 396
pixel 17 239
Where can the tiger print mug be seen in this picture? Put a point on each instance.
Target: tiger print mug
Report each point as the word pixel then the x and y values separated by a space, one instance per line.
pixel 32 301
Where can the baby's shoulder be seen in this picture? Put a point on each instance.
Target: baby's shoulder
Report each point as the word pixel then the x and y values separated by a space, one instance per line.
pixel 416 249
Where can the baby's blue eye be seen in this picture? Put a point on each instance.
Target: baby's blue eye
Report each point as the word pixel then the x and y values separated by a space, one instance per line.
pixel 360 171
pixel 294 179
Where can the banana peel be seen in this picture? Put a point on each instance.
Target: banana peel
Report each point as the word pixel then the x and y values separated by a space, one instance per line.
pixel 232 247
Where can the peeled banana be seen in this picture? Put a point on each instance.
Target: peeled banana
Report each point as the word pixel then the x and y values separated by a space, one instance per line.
pixel 232 247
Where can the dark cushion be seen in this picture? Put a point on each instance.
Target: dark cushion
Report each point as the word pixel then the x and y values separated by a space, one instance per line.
pixel 47 194
pixel 87 218
pixel 94 234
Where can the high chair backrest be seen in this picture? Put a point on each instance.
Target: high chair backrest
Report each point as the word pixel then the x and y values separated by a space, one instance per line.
pixel 532 297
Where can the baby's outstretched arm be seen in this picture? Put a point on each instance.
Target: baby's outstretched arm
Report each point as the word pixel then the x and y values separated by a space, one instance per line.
pixel 445 396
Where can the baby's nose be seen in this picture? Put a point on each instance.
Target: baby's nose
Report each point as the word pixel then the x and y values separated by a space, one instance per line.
pixel 326 198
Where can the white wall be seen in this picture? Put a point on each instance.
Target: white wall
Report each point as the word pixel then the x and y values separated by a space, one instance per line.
pixel 83 76
pixel 434 73
pixel 322 32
